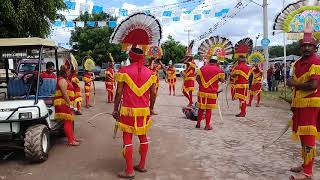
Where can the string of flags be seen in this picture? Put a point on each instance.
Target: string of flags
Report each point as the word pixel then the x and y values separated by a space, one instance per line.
pixel 166 16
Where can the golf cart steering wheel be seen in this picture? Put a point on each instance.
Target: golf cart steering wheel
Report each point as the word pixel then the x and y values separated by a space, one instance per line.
pixel 28 79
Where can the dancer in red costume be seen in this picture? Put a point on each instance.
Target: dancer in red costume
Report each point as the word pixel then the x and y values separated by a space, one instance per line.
pixel 208 78
pixel 87 78
pixel 63 104
pixel 188 79
pixel 256 87
pixel 306 104
pixel 110 82
pixel 241 75
pixel 171 78
pixel 77 90
pixel 155 65
pixel 136 86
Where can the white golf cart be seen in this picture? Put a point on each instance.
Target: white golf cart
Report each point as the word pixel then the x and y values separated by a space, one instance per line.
pixel 26 111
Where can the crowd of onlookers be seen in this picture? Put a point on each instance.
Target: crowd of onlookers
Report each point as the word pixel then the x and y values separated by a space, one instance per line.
pixel 276 74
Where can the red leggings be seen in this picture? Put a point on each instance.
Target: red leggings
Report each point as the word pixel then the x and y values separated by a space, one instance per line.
pixel 128 151
pixel 172 88
pixel 110 96
pixel 189 96
pixel 68 130
pixel 208 117
pixel 258 99
pixel 308 149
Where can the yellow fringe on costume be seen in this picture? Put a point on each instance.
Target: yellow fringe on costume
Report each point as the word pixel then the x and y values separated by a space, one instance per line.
pixel 69 93
pixel 243 86
pixel 308 154
pixel 254 93
pixel 63 116
pixel 189 79
pixel 207 95
pixel 212 80
pixel 240 96
pixel 306 102
pixel 304 130
pixel 124 77
pixel 188 89
pixel 206 106
pixel 59 102
pixel 135 113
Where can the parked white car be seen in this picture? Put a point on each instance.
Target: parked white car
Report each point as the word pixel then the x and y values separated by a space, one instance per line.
pixel 180 67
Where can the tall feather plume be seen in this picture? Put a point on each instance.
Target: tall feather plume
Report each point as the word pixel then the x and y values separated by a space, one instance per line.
pixel 144 26
pixel 243 47
pixel 211 44
pixel 280 19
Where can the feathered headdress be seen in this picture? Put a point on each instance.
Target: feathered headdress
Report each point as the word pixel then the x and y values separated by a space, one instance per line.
pixel 139 29
pixel 216 47
pixel 189 49
pixel 74 62
pixel 293 17
pixel 88 63
pixel 243 47
pixel 256 58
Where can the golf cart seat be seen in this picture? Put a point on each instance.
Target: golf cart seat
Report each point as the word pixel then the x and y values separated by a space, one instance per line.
pixel 46 91
pixel 16 88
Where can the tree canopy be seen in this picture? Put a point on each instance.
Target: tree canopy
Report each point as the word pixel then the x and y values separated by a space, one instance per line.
pixel 292 49
pixel 28 18
pixel 173 50
pixel 94 41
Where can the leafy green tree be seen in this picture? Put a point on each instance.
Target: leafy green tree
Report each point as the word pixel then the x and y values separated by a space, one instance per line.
pixel 292 49
pixel 25 18
pixel 173 50
pixel 94 41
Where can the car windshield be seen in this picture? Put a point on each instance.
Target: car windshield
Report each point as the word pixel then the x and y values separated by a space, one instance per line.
pixel 27 67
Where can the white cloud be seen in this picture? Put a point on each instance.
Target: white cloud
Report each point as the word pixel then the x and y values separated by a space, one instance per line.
pixel 248 23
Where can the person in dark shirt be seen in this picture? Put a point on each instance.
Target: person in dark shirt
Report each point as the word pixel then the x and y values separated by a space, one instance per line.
pixel 277 77
pixel 270 76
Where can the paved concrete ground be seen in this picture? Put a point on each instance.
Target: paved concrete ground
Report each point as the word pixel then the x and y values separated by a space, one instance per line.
pixel 233 150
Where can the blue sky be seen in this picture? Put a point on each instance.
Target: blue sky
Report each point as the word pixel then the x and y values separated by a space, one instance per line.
pixel 248 23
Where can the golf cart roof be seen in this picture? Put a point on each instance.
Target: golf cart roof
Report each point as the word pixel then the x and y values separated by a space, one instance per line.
pixel 14 42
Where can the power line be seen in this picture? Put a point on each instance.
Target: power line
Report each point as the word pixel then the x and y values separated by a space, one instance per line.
pixel 236 10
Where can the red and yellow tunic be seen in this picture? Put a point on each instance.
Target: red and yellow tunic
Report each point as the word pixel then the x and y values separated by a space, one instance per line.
pixel 155 71
pixel 62 108
pixel 210 75
pixel 76 88
pixel 256 86
pixel 109 79
pixel 306 104
pixel 189 77
pixel 135 111
pixel 241 77
pixel 87 78
pixel 171 74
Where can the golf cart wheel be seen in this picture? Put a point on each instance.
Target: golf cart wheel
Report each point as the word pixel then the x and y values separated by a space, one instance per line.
pixel 37 143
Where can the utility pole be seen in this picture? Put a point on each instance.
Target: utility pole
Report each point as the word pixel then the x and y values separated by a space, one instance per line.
pixel 265 36
pixel 189 33
pixel 285 58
